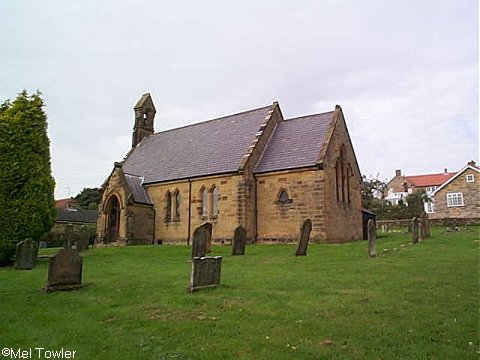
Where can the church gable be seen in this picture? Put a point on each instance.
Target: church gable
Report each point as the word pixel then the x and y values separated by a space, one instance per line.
pixel 296 143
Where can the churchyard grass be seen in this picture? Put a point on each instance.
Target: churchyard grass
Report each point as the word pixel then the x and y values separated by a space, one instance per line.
pixel 416 302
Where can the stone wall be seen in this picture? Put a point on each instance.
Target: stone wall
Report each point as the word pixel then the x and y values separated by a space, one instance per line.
pixel 176 230
pixel 471 198
pixel 281 222
pixel 343 218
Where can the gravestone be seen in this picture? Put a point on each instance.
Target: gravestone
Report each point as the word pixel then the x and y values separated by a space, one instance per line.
pixel 208 237
pixel 372 238
pixel 414 230
pixel 26 255
pixel 205 273
pixel 424 227
pixel 82 240
pixel 202 238
pixel 65 271
pixel 239 241
pixel 305 231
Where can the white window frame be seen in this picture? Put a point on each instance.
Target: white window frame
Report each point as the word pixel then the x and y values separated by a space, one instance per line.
pixel 454 199
pixel 470 178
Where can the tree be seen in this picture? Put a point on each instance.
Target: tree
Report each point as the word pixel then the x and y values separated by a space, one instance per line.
pixel 372 195
pixel 415 203
pixel 88 198
pixel 26 184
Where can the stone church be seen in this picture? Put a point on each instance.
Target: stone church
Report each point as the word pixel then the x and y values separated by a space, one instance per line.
pixel 254 169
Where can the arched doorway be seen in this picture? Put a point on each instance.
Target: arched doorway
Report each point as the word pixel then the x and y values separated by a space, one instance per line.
pixel 113 219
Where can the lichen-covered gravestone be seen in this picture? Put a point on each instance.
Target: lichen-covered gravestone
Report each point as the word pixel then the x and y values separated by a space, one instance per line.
pixel 202 238
pixel 205 273
pixel 304 238
pixel 65 271
pixel 424 227
pixel 239 241
pixel 372 238
pixel 26 255
pixel 414 230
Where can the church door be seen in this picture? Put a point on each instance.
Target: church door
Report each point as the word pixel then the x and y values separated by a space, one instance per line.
pixel 113 219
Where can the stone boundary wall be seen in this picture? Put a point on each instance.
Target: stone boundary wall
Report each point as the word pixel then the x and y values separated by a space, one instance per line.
pixel 433 222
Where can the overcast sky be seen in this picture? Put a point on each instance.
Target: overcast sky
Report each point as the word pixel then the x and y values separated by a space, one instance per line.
pixel 404 72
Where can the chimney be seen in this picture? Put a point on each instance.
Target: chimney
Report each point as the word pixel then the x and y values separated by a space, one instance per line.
pixel 398 172
pixel 472 163
pixel 445 171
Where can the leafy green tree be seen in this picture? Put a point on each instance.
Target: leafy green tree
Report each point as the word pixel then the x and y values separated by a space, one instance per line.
pixel 88 198
pixel 372 195
pixel 26 184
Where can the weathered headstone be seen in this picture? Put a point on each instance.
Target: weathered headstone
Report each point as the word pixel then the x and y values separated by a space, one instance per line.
pixel 424 227
pixel 239 241
pixel 414 230
pixel 372 238
pixel 205 272
pixel 305 231
pixel 26 255
pixel 208 237
pixel 201 237
pixel 65 271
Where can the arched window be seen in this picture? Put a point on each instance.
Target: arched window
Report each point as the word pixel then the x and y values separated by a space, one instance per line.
pixel 204 193
pixel 168 206
pixel 283 197
pixel 214 201
pixel 337 179
pixel 177 205
pixel 349 175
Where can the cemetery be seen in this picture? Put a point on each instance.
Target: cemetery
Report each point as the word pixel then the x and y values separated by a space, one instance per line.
pixel 397 295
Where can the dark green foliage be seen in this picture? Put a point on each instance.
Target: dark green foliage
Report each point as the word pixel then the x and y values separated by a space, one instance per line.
pixel 372 199
pixel 26 184
pixel 89 198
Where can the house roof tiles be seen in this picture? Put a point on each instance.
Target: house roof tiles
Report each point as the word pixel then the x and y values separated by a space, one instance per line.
pixel 429 179
pixel 73 215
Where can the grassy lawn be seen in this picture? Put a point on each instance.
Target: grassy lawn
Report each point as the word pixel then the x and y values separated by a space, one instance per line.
pixel 415 302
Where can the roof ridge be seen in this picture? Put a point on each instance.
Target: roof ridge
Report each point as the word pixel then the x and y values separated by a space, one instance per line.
pixel 215 119
pixel 432 174
pixel 311 115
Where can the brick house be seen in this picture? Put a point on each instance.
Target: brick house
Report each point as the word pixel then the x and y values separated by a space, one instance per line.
pixel 459 197
pixel 253 169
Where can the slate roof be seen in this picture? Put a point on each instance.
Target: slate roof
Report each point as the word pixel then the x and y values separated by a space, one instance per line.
pixel 212 147
pixel 139 193
pixel 296 143
pixel 72 215
pixel 429 179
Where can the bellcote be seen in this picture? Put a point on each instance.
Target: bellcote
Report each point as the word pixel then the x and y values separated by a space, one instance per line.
pixel 144 118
